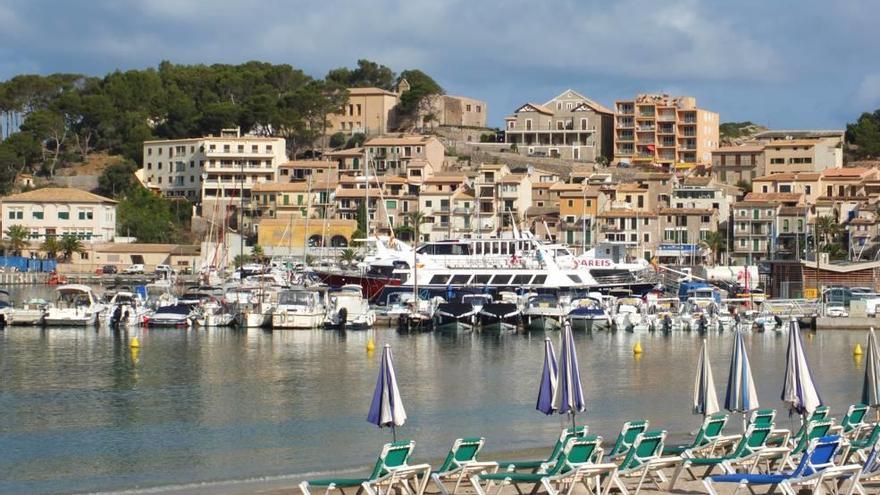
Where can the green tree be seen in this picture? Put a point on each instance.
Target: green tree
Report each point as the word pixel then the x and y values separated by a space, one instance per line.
pixel 415 219
pixel 69 245
pixel 49 128
pixel 17 238
pixel 51 247
pixel 257 253
pixel 367 74
pixel 361 216
pixel 241 260
pixel 337 140
pixel 421 89
pixel 117 179
pixel 147 217
pixel 357 139
pixel 864 134
pixel 744 185
pixel 348 256
pixel 716 241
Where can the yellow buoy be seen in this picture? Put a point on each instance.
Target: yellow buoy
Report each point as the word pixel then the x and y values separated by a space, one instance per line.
pixel 370 345
pixel 637 349
pixel 857 351
pixel 135 343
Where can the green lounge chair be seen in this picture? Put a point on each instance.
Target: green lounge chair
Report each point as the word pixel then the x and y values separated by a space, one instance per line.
pixel 759 418
pixel 762 417
pixel 628 434
pixel 576 464
pixel 854 419
pixel 535 465
pixel 821 413
pixel 391 471
pixel 711 430
pixel 812 431
pixel 751 442
pixel 460 463
pixel 644 461
pixel 861 446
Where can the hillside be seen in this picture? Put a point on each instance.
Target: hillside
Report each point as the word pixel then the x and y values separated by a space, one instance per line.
pixel 738 132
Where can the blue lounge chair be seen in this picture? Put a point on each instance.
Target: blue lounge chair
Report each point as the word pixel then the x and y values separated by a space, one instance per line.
pixel 870 469
pixel 816 468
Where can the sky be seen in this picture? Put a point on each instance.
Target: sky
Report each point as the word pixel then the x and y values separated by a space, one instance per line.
pixel 804 64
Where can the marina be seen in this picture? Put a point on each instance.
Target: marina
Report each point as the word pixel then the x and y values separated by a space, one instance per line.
pixel 192 406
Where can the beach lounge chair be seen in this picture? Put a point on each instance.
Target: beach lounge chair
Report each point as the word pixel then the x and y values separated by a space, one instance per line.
pixel 870 469
pixel 576 464
pixel 460 463
pixel 750 443
pixel 812 431
pixel 535 465
pixel 820 413
pixel 628 434
pixel 854 420
pixel 762 417
pixel 862 446
pixel 390 471
pixel 815 469
pixel 643 460
pixel 711 430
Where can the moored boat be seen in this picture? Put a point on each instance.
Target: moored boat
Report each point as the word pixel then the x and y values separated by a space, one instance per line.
pixel 76 305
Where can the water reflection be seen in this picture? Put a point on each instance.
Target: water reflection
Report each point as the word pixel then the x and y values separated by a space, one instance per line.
pixel 80 410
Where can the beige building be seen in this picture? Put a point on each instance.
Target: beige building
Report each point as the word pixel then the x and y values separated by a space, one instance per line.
pixel 368 111
pixel 658 128
pixel 734 164
pixel 683 230
pixel 802 155
pixel 806 183
pixel 569 126
pixel 211 168
pixel 455 111
pixel 60 211
pixel 413 157
pixel 637 231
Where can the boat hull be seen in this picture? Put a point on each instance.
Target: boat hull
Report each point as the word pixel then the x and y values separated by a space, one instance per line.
pixel 371 286
pixel 291 320
pixel 542 323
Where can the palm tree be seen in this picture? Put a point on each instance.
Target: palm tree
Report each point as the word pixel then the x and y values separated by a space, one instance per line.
pixel 70 244
pixel 717 242
pixel 416 219
pixel 257 253
pixel 51 246
pixel 828 229
pixel 18 238
pixel 348 256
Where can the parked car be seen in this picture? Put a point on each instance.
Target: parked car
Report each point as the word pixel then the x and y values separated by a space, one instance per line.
pixel 135 269
pixel 163 268
pixel 109 270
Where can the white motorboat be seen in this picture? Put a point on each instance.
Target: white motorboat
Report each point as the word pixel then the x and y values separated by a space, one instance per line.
pixel 126 309
pixel 30 313
pixel 543 312
pixel 299 308
pixel 213 313
pixel 76 305
pixel 348 309
pixel 588 313
pixel 627 313
pixel 174 315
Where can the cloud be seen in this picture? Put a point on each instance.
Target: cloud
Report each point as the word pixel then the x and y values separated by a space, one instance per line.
pixel 868 94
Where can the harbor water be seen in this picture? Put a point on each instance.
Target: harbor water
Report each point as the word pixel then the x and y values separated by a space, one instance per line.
pixel 81 412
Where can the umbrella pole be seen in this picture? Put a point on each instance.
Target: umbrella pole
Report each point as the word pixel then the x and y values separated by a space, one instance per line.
pixel 393 432
pixel 572 420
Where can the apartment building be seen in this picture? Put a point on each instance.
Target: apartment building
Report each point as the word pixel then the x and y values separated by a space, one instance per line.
pixel 283 199
pixel 791 150
pixel 437 202
pixel 757 222
pixel 637 232
pixel 369 111
pixel 211 168
pixel 577 216
pixel 658 128
pixel 735 164
pixel 414 157
pixel 314 171
pixel 846 183
pixel 569 126
pixel 348 162
pixel 864 235
pixel 709 196
pixel 805 183
pixel 60 211
pixel 791 229
pixel 683 231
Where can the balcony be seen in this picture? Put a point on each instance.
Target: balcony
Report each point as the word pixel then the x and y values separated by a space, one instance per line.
pixel 463 211
pixel 624 123
pixel 625 109
pixel 236 153
pixel 666 117
pixel 666 129
pixel 624 137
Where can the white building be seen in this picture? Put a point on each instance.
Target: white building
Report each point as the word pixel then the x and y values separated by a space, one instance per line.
pixel 59 211
pixel 211 168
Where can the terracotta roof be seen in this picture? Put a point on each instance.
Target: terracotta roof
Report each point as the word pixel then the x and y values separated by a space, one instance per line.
pixel 580 193
pixel 512 179
pixel 463 194
pixel 627 214
pixel 754 202
pixel 698 181
pixel 370 91
pixel 298 186
pixel 780 197
pixel 399 141
pixel 653 176
pixel 795 211
pixel 356 152
pixel 57 195
pixel 687 211
pixel 786 176
pixel 564 186
pixel 746 148
pixel 542 185
pixel 353 193
pixel 846 173
pixel 862 221
pixel 594 105
pixel 537 211
pixel 308 164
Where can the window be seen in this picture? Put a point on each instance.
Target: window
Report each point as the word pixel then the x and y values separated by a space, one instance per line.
pixel 460 279
pixel 38 215
pixel 428 203
pixel 785 225
pixel 528 124
pixel 501 279
pixel 481 279
pixel 17 214
pixel 704 218
pixel 149 151
pixel 570 203
pixel 467 108
pixel 286 199
pixel 479 108
pixel 65 215
pixel 86 215
pixel 777 161
pixel 268 148
pixel 159 166
pixel 391 204
pixel 807 190
pixel 439 280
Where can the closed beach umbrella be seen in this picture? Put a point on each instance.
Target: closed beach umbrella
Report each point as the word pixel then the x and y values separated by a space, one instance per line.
pixel 798 390
pixel 548 379
pixel 387 407
pixel 871 387
pixel 569 396
pixel 705 398
pixel 742 396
